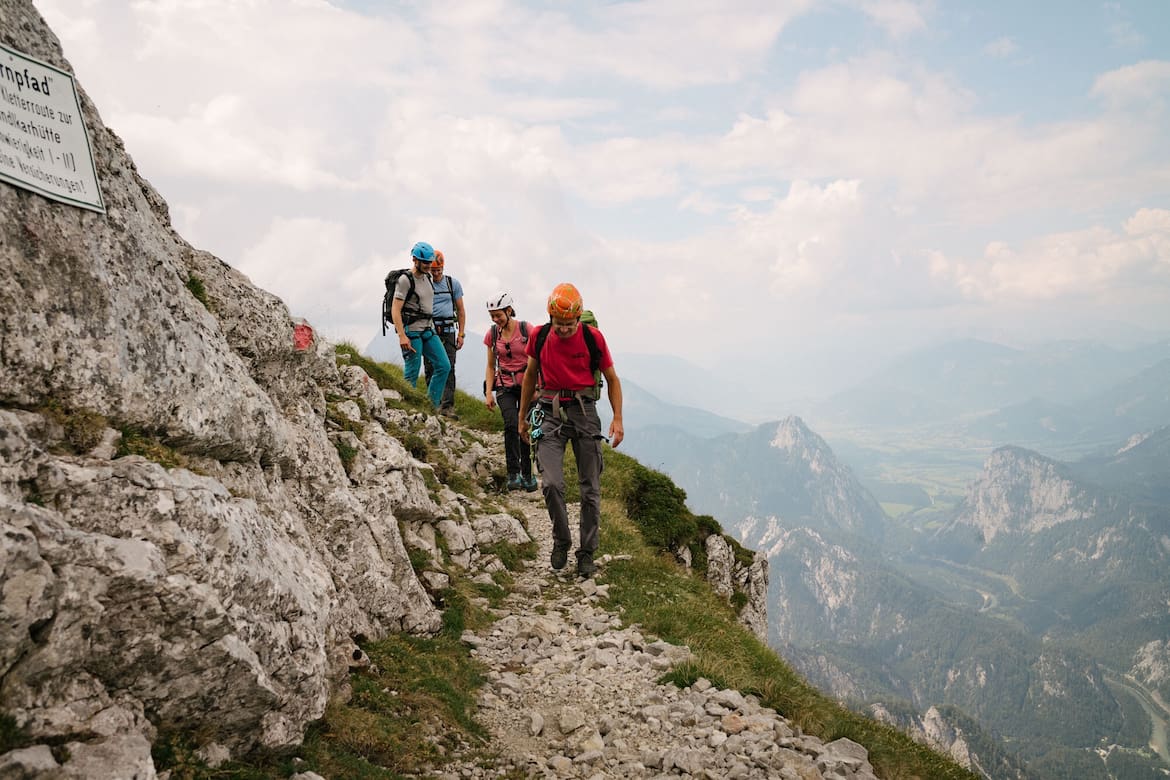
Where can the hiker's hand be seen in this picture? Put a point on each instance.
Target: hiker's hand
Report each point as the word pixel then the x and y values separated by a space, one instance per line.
pixel 405 345
pixel 523 429
pixel 616 433
pixel 459 341
pixel 490 400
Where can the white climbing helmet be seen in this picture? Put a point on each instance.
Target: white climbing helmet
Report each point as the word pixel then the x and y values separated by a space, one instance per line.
pixel 500 301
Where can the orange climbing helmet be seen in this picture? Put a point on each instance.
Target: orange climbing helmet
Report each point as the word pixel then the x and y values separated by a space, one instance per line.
pixel 438 259
pixel 564 302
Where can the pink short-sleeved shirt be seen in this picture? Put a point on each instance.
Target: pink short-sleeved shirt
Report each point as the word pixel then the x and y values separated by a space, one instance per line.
pixel 511 354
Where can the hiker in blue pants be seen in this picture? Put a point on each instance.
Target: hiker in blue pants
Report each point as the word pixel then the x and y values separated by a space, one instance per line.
pixel 450 319
pixel 413 305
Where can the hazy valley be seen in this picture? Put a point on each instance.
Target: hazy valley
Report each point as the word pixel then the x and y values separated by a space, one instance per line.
pixel 974 542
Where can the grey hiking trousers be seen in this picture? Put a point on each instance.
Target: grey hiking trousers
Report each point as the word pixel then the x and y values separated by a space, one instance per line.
pixel 579 424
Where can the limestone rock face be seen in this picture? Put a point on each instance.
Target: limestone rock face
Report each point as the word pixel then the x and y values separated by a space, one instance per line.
pixel 1151 665
pixel 1022 492
pixel 727 575
pixel 218 584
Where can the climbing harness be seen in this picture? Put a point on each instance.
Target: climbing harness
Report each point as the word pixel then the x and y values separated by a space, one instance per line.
pixel 535 419
pixel 535 432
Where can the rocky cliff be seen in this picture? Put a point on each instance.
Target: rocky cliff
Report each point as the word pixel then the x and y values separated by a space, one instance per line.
pixel 202 512
pixel 223 596
pixel 1022 492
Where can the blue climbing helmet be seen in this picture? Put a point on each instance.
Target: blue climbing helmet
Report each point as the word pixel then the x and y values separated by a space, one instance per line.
pixel 423 252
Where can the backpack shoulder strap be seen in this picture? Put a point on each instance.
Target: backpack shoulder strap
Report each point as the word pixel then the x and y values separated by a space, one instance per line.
pixel 541 337
pixel 591 345
pixel 523 333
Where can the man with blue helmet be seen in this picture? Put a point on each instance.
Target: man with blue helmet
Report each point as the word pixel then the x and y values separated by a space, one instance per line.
pixel 412 315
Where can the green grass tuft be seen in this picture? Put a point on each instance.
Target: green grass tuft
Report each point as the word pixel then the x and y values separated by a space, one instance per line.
pixel 471 409
pixel 196 287
pixel 11 735
pixel 82 428
pixel 420 560
pixel 411 706
pixel 387 377
pixel 137 442
pixel 346 452
pixel 511 555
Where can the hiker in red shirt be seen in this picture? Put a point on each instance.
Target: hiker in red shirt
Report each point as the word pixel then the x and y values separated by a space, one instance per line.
pixel 565 359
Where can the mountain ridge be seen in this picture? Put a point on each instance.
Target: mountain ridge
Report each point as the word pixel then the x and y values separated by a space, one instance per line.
pixel 1001 582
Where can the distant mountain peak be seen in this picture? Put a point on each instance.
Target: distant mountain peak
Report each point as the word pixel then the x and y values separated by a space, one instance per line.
pixel 1021 491
pixel 791 431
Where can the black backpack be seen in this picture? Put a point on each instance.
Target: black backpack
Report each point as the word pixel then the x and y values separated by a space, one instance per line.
pixel 410 312
pixel 590 344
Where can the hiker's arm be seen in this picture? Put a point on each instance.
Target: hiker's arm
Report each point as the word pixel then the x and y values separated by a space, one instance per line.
pixel 461 314
pixel 396 315
pixel 489 379
pixel 527 390
pixel 614 385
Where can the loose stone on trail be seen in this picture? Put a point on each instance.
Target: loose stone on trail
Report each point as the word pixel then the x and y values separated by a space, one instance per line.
pixel 572 693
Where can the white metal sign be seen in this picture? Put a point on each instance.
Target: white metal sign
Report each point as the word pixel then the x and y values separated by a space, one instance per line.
pixel 44 146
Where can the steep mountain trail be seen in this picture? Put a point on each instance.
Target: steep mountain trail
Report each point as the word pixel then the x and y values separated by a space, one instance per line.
pixel 573 693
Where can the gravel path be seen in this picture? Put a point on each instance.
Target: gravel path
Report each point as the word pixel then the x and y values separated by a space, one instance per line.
pixel 573 694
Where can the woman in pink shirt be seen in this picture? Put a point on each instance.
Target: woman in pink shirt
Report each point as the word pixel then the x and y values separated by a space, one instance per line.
pixel 506 342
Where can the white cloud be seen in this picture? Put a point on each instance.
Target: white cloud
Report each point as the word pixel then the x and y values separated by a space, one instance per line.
pixel 542 110
pixel 779 261
pixel 1001 48
pixel 223 139
pixel 803 239
pixel 639 149
pixel 918 135
pixel 1149 222
pixel 660 43
pixel 898 18
pixel 1142 84
pixel 300 258
pixel 1083 263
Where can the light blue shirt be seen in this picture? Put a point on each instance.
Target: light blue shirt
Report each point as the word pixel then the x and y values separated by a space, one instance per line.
pixel 444 306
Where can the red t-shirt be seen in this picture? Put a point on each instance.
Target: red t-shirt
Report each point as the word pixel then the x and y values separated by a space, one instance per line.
pixel 564 364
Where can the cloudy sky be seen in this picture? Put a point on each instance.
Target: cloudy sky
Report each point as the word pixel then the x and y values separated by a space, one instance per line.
pixel 808 186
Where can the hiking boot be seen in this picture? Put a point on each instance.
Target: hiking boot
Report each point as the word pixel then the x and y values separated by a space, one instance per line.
pixel 530 482
pixel 585 565
pixel 515 482
pixel 560 556
pixel 449 411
